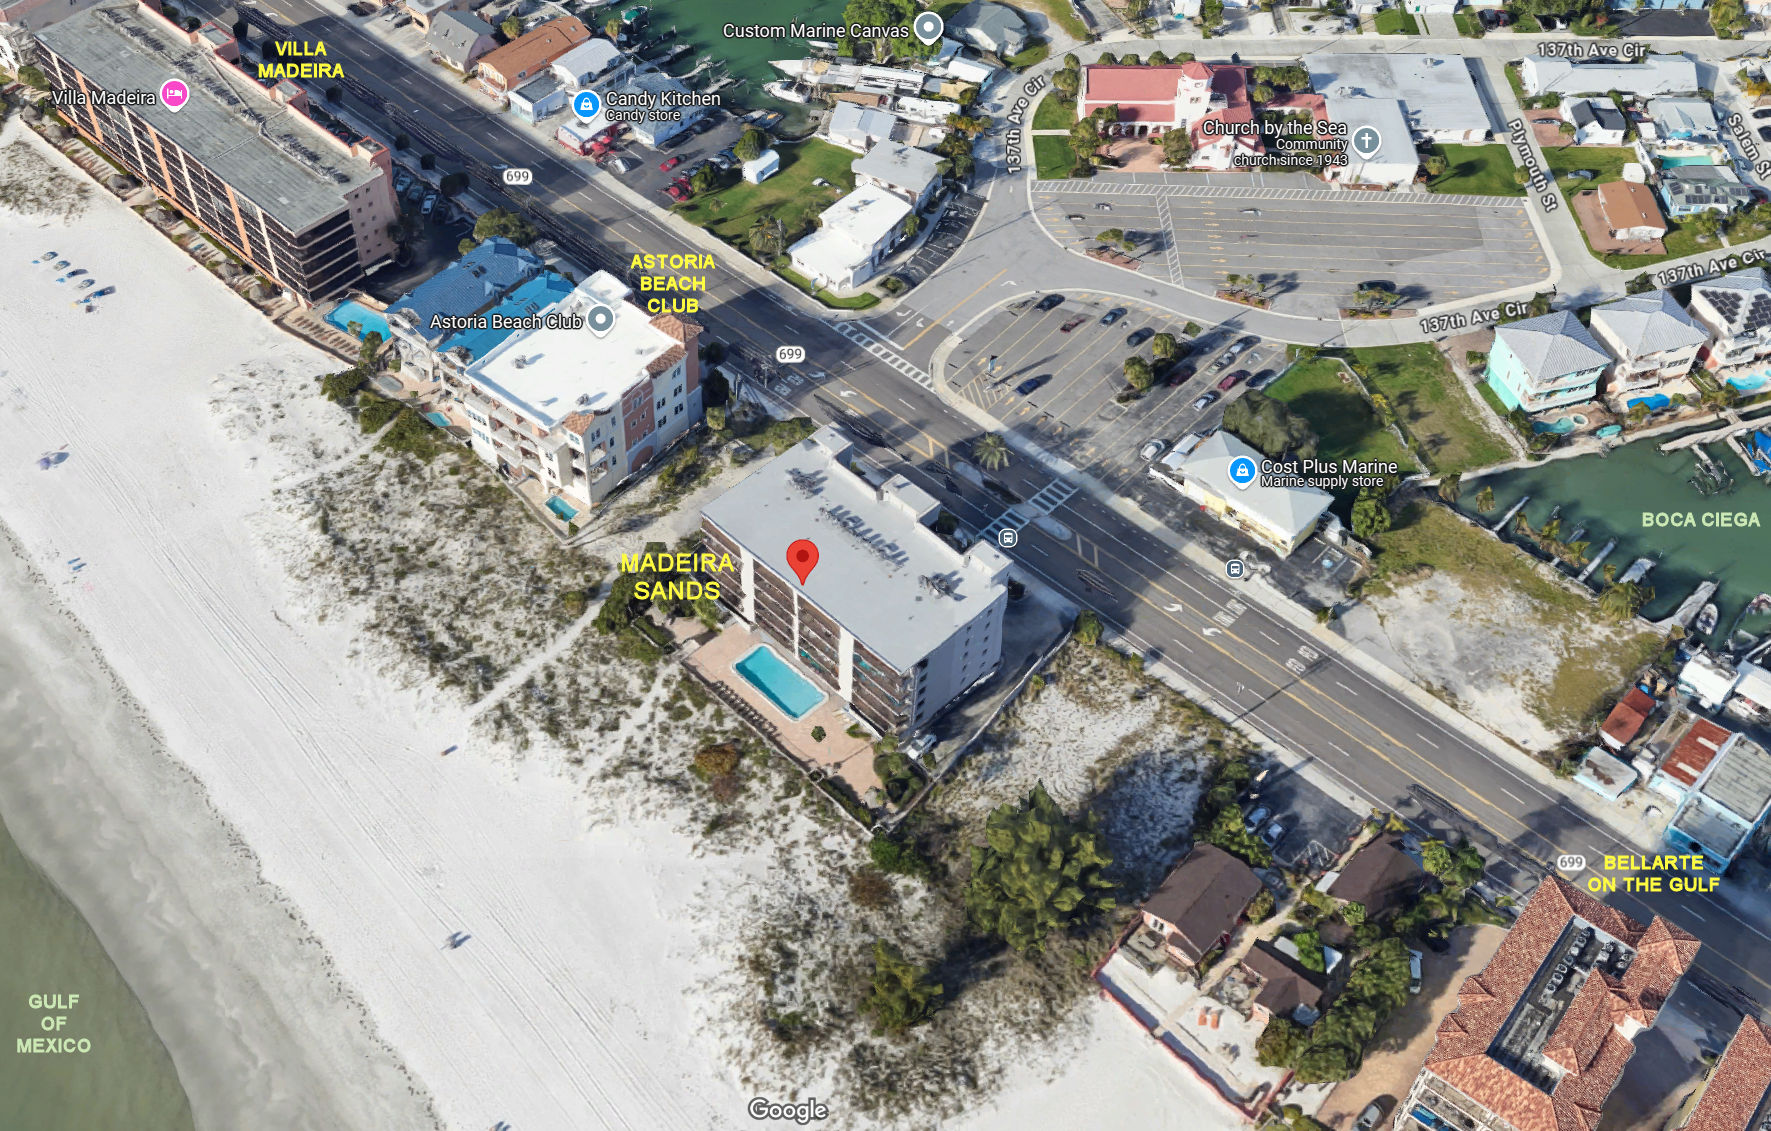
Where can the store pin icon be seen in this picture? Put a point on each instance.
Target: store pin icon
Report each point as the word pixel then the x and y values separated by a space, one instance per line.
pixel 928 27
pixel 1242 471
pixel 1366 142
pixel 599 319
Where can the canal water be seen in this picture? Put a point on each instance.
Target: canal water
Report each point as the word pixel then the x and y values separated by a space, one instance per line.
pixel 1609 495
pixel 700 24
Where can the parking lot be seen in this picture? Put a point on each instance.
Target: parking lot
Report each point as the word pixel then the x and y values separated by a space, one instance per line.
pixel 950 231
pixel 693 149
pixel 1076 374
pixel 1313 247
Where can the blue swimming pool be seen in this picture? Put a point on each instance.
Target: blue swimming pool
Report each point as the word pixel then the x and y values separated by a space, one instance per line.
pixel 1655 403
pixel 1750 382
pixel 785 688
pixel 1678 162
pixel 350 310
pixel 442 421
pixel 1560 426
pixel 562 508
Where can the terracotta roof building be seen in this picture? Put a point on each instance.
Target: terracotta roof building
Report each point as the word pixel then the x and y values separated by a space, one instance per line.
pixel 1626 719
pixel 1198 905
pixel 1211 102
pixel 529 54
pixel 1630 211
pixel 1380 877
pixel 1736 1096
pixel 1540 1036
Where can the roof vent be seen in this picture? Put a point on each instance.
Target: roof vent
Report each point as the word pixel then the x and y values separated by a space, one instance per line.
pixel 519 361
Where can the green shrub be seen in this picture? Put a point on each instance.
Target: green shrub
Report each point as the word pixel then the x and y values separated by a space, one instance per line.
pixel 717 759
pixel 375 411
pixel 900 857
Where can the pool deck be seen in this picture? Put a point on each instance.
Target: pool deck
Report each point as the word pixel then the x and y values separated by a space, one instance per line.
pixel 851 759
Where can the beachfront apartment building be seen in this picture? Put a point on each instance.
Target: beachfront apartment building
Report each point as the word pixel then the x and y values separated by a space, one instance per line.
pixel 578 412
pixel 1652 338
pixel 528 55
pixel 1736 309
pixel 1541 1035
pixel 20 20
pixel 1546 362
pixel 471 285
pixel 894 621
pixel 242 161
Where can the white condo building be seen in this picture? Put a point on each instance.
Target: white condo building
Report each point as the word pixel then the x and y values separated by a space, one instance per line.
pixel 578 412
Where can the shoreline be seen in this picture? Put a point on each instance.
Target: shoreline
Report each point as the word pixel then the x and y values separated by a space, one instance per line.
pixel 190 922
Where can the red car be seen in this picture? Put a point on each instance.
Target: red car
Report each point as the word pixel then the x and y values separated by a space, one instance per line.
pixel 1073 323
pixel 1233 380
pixel 676 192
pixel 669 164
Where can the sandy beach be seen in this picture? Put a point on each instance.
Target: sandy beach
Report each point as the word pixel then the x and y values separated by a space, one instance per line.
pixel 259 828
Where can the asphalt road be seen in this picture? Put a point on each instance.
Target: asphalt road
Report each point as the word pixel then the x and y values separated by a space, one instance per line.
pixel 1287 683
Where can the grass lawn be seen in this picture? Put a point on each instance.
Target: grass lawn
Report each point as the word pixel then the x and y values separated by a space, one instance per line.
pixel 1052 157
pixel 1514 81
pixel 1343 421
pixel 1479 170
pixel 1606 161
pixel 1053 113
pixel 1468 25
pixel 854 302
pixel 1432 405
pixel 789 194
pixel 1036 54
pixel 1395 21
pixel 1058 11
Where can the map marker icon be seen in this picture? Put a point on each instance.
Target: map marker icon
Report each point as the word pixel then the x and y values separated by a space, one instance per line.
pixel 174 94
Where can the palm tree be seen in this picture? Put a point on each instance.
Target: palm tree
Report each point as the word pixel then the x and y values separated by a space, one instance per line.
pixel 1451 488
pixel 1485 499
pixel 1621 600
pixel 991 451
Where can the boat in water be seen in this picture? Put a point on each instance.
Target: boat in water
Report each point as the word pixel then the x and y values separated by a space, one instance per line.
pixel 1706 620
pixel 787 91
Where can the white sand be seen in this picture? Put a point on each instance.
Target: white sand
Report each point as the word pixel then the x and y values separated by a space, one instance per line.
pixel 588 997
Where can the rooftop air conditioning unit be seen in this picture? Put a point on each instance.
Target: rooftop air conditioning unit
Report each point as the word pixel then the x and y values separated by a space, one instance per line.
pixel 520 361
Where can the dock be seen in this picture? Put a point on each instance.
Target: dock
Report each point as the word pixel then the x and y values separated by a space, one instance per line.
pixel 1683 615
pixel 1508 517
pixel 1735 424
pixel 1598 559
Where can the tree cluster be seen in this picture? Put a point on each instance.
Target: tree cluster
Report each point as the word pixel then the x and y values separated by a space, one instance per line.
pixel 1270 426
pixel 1038 871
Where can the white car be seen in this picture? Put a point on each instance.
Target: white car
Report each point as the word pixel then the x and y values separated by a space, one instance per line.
pixel 1151 450
pixel 1273 834
pixel 1414 957
pixel 1253 820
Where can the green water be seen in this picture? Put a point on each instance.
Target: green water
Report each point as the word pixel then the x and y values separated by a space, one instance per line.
pixel 1608 495
pixel 127 1081
pixel 700 24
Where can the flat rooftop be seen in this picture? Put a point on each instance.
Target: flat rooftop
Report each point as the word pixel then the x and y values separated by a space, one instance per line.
pixel 552 373
pixel 1741 780
pixel 272 155
pixel 1437 91
pixel 891 581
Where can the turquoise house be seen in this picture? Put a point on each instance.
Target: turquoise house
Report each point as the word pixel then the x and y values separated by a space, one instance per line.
pixel 1544 363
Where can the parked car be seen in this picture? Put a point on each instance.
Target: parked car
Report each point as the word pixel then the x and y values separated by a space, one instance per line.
pixel 1368 1118
pixel 1273 834
pixel 403 19
pixel 416 192
pixel 669 163
pixel 1249 341
pixel 1113 316
pixel 704 125
pixel 1206 401
pixel 1763 112
pixel 1765 133
pixel 1074 217
pixel 402 181
pixel 430 203
pixel 1138 337
pixel 1151 450
pixel 726 158
pixel 1073 323
pixel 1264 378
pixel 1049 301
pixel 1103 206
pixel 676 192
pixel 1254 819
pixel 1414 957
pixel 1232 380
pixel 1031 384
pixel 1179 375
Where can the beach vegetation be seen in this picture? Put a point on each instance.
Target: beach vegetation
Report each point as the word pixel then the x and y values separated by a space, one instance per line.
pixel 900 993
pixel 1038 871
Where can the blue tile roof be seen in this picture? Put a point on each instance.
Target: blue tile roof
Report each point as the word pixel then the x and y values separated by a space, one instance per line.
pixel 529 299
pixel 470 284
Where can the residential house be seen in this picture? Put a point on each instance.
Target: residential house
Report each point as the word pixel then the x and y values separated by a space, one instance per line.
pixel 1627 719
pixel 528 55
pixel 578 412
pixel 1595 123
pixel 1541 1036
pixel 1437 92
pixel 996 28
pixel 1682 119
pixel 658 91
pixel 1381 877
pixel 1726 806
pixel 1690 189
pixel 858 127
pixel 1282 987
pixel 1752 692
pixel 1656 75
pixel 1736 1091
pixel 1630 211
pixel 459 39
pixel 421 320
pixel 854 237
pixel 1279 517
pixel 913 174
pixel 1736 309
pixel 425 13
pixel 895 622
pixel 1708 678
pixel 1652 338
pixel 1546 362
pixel 1690 758
pixel 1198 906
pixel 241 160
pixel 1394 163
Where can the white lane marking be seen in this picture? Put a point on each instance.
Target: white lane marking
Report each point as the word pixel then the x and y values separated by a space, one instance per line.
pixel 1271 639
pixel 1345 688
pixel 1687 911
pixel 1435 746
pixel 1511 794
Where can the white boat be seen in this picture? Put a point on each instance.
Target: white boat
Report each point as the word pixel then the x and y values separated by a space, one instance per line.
pixel 787 91
pixel 1706 620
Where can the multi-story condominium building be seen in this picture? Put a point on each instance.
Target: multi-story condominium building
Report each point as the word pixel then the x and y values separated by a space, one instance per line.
pixel 894 621
pixel 424 319
pixel 509 67
pixel 243 161
pixel 1652 338
pixel 1544 363
pixel 1736 309
pixel 1540 1037
pixel 1736 1092
pixel 579 412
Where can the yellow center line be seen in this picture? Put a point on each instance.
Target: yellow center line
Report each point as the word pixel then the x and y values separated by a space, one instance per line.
pixel 933 322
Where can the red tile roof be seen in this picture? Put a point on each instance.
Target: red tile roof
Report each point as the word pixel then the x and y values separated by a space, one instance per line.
pixel 1586 1041
pixel 1110 82
pixel 1232 84
pixel 1626 719
pixel 1737 1086
pixel 1694 752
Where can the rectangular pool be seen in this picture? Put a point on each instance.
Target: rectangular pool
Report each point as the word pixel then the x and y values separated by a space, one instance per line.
pixel 350 310
pixel 793 693
pixel 442 421
pixel 562 508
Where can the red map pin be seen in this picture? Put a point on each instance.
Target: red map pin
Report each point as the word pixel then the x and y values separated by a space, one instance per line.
pixel 801 557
